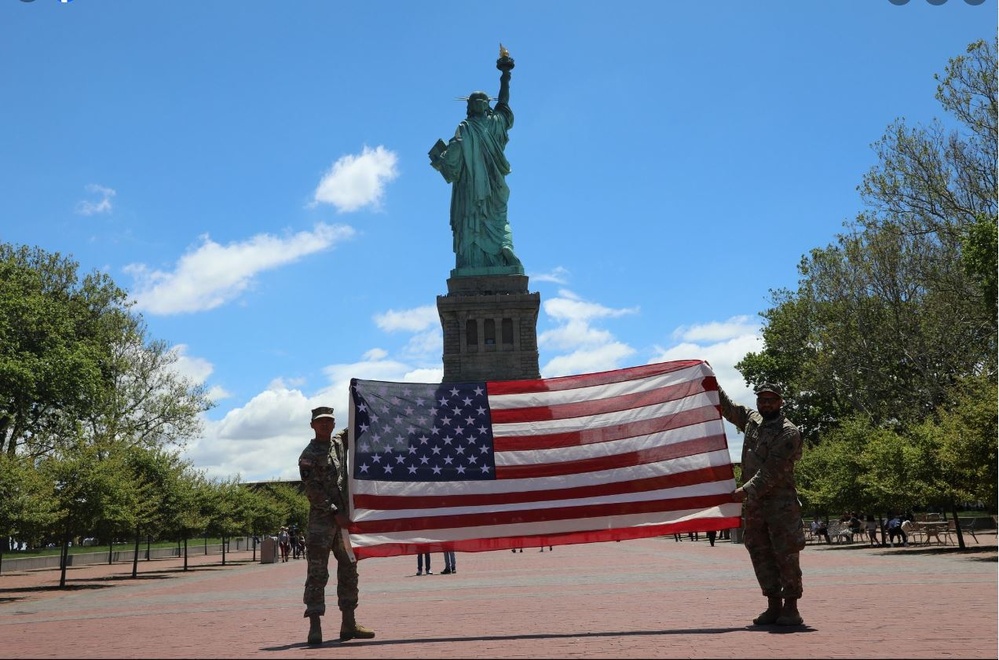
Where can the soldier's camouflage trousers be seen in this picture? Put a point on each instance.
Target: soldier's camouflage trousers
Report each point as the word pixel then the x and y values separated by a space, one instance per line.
pixel 319 543
pixel 774 535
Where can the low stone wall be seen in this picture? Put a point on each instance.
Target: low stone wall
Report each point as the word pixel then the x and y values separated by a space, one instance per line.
pixel 11 562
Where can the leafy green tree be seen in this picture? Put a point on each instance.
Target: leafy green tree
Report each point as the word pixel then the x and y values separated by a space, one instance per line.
pixel 231 509
pixel 75 363
pixel 899 473
pixel 828 474
pixel 968 435
pixel 981 245
pixel 94 491
pixel 264 512
pixel 188 509
pixel 963 439
pixel 886 321
pixel 27 505
pixel 291 502
pixel 159 475
pixel 51 344
pixel 936 185
pixel 143 401
pixel 89 398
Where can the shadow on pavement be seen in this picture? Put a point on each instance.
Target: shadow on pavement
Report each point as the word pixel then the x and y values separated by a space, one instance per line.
pixel 68 587
pixel 501 638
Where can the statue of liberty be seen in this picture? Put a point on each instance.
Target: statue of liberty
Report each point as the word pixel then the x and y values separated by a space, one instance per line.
pixel 474 164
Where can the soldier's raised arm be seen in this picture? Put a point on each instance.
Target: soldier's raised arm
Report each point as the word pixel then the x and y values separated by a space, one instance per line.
pixel 733 412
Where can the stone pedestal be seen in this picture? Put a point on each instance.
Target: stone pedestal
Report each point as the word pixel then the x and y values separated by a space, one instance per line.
pixel 490 325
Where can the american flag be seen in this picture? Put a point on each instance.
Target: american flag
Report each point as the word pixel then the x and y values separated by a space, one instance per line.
pixel 475 466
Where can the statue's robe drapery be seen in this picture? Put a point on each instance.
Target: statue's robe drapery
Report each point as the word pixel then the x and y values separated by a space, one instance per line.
pixel 476 167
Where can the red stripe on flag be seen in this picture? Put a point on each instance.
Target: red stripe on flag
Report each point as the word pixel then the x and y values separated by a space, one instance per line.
pixel 606 433
pixel 535 541
pixel 627 459
pixel 586 380
pixel 595 406
pixel 688 478
pixel 522 516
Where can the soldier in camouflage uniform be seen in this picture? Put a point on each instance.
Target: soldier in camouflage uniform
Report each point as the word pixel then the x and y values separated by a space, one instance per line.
pixel 323 467
pixel 774 534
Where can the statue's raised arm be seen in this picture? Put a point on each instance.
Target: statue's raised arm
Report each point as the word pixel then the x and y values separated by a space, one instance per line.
pixel 505 65
pixel 474 163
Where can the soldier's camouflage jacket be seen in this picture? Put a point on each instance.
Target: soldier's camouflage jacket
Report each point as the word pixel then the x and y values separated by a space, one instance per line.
pixel 769 451
pixel 323 468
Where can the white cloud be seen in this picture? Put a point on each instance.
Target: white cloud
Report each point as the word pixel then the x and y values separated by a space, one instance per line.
pixel 722 344
pixel 568 307
pixel 603 357
pixel 270 414
pixel 559 275
pixel 211 275
pixel 410 320
pixel 427 341
pixel 737 326
pixel 102 205
pixel 426 375
pixel 591 348
pixel 354 182
pixel 376 354
pixel 572 334
pixel 425 345
pixel 376 366
pixel 258 441
pixel 722 356
pixel 194 369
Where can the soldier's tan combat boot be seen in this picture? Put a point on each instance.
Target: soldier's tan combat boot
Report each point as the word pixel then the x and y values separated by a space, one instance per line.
pixel 315 629
pixel 349 629
pixel 789 614
pixel 772 613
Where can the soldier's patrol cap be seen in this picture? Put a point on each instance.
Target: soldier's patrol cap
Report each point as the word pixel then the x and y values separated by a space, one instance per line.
pixel 322 411
pixel 770 387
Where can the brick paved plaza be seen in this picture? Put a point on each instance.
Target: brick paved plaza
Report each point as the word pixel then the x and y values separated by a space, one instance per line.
pixel 642 599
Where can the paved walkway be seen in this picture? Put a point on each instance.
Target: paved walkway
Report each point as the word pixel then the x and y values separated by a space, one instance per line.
pixel 640 599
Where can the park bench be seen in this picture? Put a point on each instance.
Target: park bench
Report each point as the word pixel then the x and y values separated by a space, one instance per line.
pixel 972 526
pixel 840 532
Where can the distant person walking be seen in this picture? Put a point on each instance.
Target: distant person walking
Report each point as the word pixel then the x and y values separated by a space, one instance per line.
pixel 284 543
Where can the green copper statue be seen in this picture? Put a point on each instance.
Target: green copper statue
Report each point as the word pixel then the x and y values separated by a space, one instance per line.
pixel 474 164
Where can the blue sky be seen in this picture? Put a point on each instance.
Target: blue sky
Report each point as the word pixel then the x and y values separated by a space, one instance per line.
pixel 255 174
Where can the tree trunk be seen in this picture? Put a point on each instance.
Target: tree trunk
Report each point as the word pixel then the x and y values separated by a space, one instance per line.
pixel 185 553
pixel 135 555
pixel 222 539
pixel 64 560
pixel 957 525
